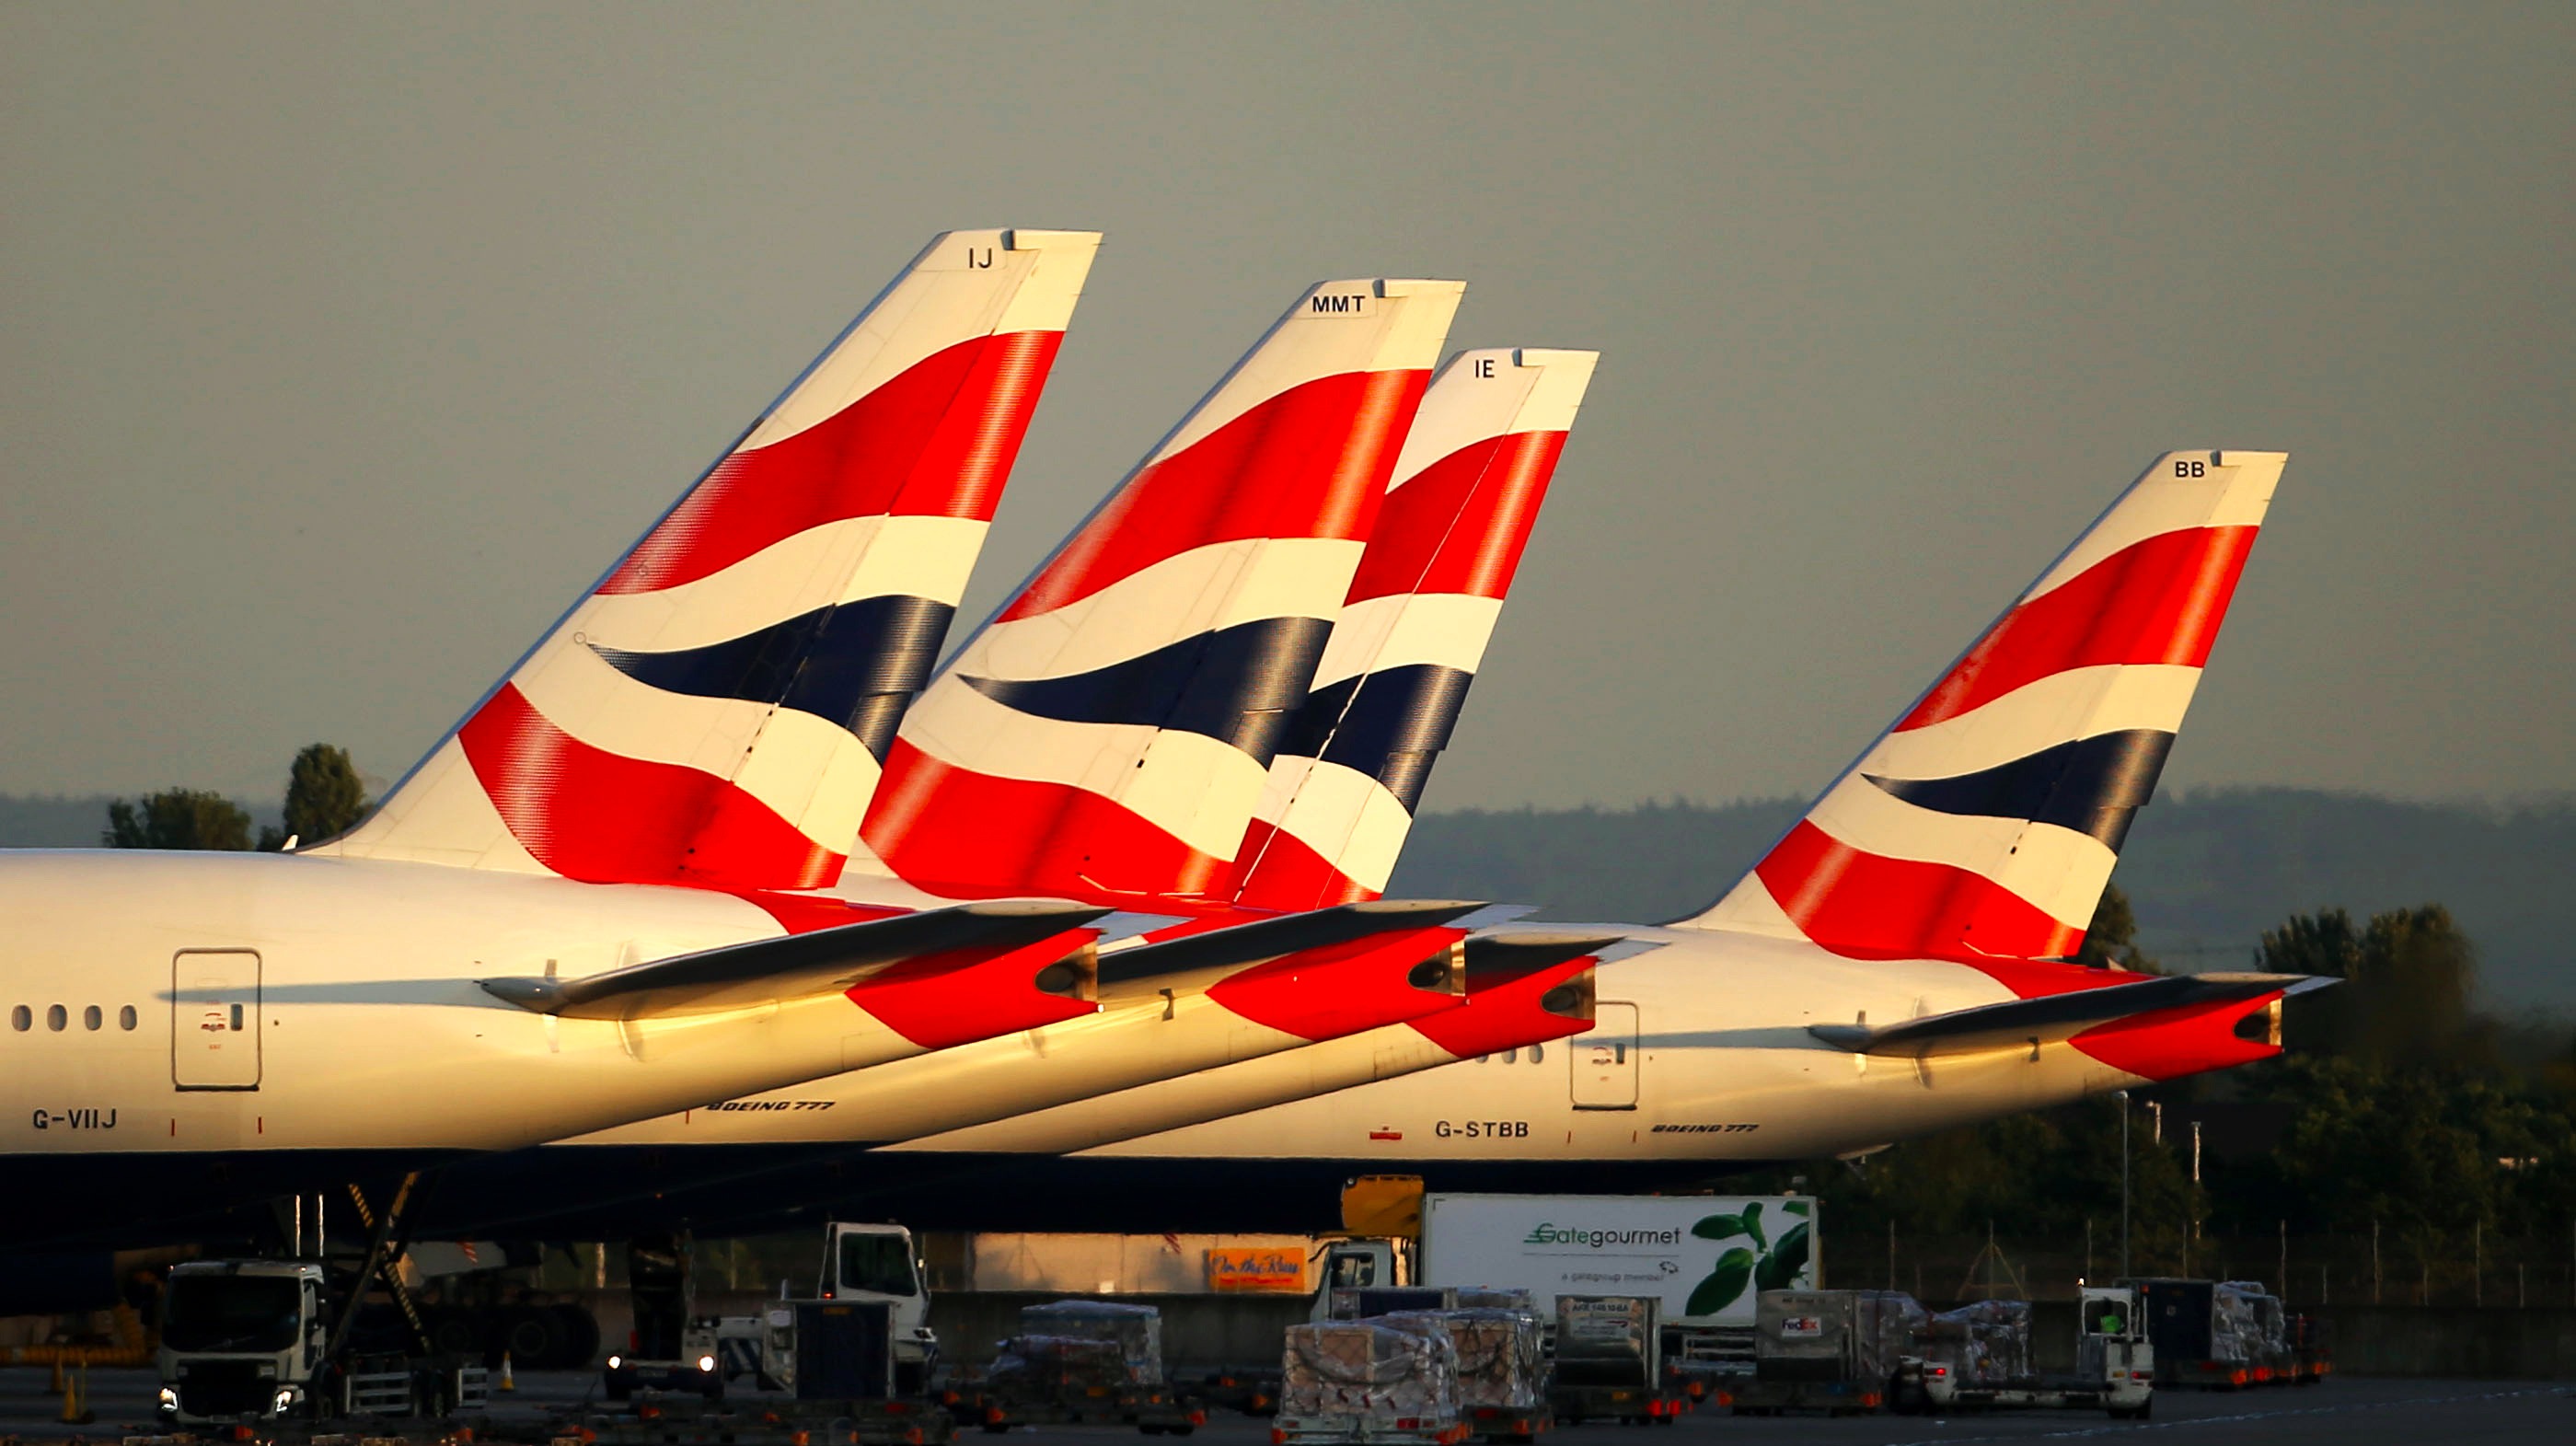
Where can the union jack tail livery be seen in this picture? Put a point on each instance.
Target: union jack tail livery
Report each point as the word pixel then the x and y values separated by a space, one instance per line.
pixel 714 711
pixel 1985 822
pixel 1107 733
pixel 1467 488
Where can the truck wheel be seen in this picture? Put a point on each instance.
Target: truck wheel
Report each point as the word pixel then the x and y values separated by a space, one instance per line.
pixel 580 1332
pixel 531 1337
pixel 455 1333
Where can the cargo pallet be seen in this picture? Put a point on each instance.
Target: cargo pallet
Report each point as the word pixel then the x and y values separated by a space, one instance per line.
pixel 1575 1405
pixel 1153 1412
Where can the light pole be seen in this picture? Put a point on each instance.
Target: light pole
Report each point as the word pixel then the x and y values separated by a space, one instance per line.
pixel 2124 1183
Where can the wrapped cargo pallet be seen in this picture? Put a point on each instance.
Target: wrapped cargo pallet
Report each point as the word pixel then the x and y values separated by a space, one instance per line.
pixel 2247 1324
pixel 1368 1370
pixel 1488 1297
pixel 1985 1343
pixel 1058 1363
pixel 1133 1332
pixel 1501 1360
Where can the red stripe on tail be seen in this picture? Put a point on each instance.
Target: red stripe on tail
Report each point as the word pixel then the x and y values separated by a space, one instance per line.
pixel 940 827
pixel 602 818
pixel 936 441
pixel 1283 872
pixel 1864 906
pixel 2157 601
pixel 1310 462
pixel 1486 494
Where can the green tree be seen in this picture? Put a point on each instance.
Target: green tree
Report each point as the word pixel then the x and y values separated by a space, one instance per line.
pixel 2111 939
pixel 2409 975
pixel 324 797
pixel 177 818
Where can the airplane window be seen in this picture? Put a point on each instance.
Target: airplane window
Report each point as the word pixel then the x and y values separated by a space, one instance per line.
pixel 56 1017
pixel 1511 1056
pixel 91 1018
pixel 1537 1053
pixel 125 1017
pixel 22 1019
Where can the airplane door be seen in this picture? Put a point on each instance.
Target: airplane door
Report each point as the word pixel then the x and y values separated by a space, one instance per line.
pixel 214 1019
pixel 1605 1060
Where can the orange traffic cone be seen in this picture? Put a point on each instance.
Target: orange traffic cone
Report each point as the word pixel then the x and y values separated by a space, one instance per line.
pixel 76 1411
pixel 508 1382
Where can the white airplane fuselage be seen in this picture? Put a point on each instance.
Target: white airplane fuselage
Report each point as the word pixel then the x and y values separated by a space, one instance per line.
pixel 164 1005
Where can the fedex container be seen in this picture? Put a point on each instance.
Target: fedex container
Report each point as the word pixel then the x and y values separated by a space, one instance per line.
pixel 1704 1257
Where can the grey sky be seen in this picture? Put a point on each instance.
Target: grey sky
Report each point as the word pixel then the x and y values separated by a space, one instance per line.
pixel 345 345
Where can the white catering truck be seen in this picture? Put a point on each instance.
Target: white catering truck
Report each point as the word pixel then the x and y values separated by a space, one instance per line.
pixel 1703 1257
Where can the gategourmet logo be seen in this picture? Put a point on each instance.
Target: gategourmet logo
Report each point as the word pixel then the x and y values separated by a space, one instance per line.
pixel 1598 1239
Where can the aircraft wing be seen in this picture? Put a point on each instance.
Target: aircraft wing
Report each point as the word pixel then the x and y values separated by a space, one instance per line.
pixel 1279 934
pixel 2055 1016
pixel 735 976
pixel 1499 957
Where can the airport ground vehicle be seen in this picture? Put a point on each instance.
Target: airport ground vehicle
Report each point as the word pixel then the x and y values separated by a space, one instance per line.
pixel 676 1349
pixel 826 1368
pixel 1978 1358
pixel 1834 1351
pixel 1610 1362
pixel 1703 1258
pixel 2311 1355
pixel 881 1263
pixel 2218 1335
pixel 250 1340
pixel 1081 1363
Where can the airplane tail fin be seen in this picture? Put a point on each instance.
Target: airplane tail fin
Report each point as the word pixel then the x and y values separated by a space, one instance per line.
pixel 713 711
pixel 1984 823
pixel 1107 733
pixel 1413 628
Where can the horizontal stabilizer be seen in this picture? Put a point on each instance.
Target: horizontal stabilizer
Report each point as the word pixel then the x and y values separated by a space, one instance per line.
pixel 1496 958
pixel 822 961
pixel 1282 934
pixel 2055 1016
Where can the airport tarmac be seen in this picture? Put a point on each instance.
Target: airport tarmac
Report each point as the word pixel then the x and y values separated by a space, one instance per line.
pixel 2342 1412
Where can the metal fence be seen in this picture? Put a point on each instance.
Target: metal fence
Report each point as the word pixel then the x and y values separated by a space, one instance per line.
pixel 2383 1266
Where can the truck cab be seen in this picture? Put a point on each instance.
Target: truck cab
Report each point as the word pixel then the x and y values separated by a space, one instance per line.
pixel 1353 1265
pixel 2112 1348
pixel 240 1339
pixel 880 1263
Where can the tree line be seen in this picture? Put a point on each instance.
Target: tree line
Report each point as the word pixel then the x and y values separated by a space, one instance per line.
pixel 324 798
pixel 2400 1120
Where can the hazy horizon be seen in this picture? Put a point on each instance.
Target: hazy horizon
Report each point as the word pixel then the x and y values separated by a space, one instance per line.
pixel 348 345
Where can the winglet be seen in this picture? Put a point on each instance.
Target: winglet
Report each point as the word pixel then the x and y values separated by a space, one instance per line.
pixel 821 961
pixel 2052 1017
pixel 1279 935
